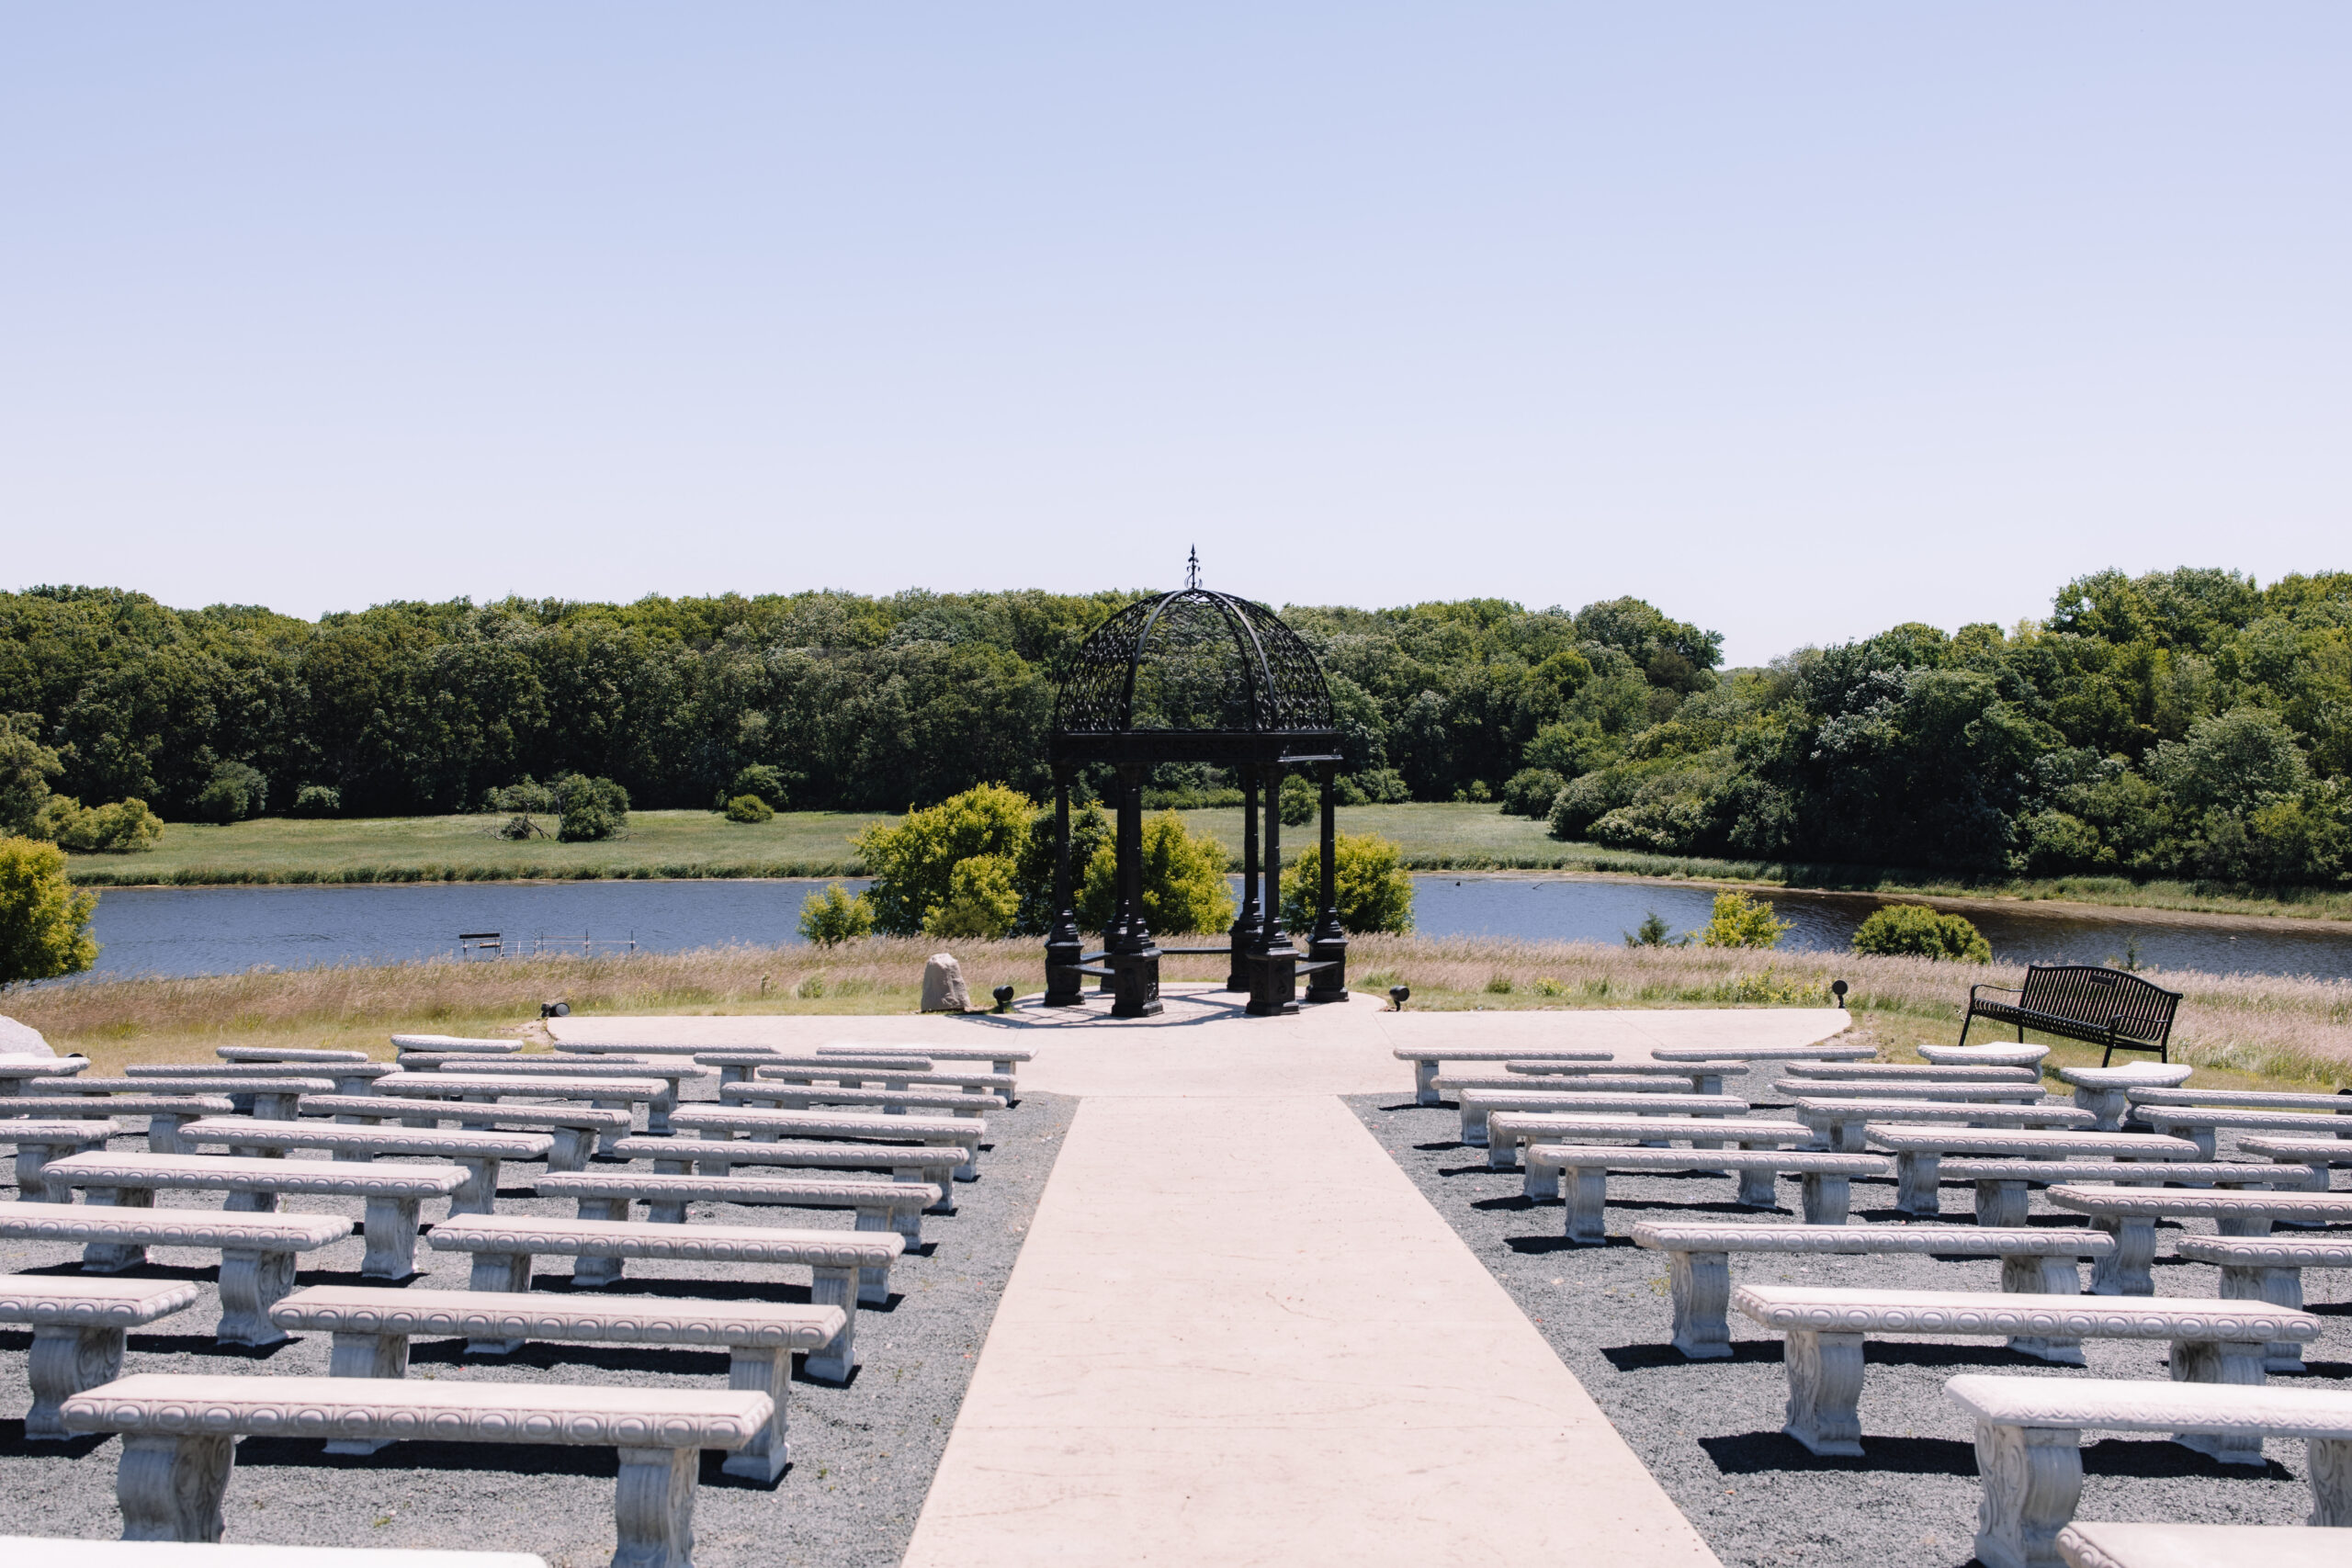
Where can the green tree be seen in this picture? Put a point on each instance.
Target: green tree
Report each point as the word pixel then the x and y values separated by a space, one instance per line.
pixel 1183 881
pixel 1531 792
pixel 1370 884
pixel 1089 831
pixel 758 779
pixel 982 900
pixel 1917 931
pixel 750 808
pixel 1654 932
pixel 1739 921
pixel 593 808
pixel 1301 800
pixel 913 860
pixel 44 923
pixel 124 828
pixel 26 769
pixel 235 792
pixel 836 915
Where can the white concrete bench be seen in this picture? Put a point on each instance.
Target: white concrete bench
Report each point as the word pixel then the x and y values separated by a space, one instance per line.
pixel 476 1152
pixel 38 1142
pixel 286 1054
pixel 78 1327
pixel 2320 1152
pixel 1426 1064
pixel 879 1205
pixel 470 1045
pixel 1827 1050
pixel 1000 1059
pixel 933 1163
pixel 2198 1546
pixel 785 1095
pixel 1702 1077
pixel 1476 1105
pixel 2101 1090
pixel 179 1440
pixel 737 1067
pixel 165 1114
pixel 1449 1084
pixel 2337 1105
pixel 2212 1341
pixel 1506 1130
pixel 573 1131
pixel 2201 1124
pixel 43 1552
pixel 1579 1173
pixel 626 1048
pixel 971 1081
pixel 18 1071
pixel 2269 1269
pixel 847 1266
pixel 1919 1152
pixel 2130 1214
pixel 2028 1438
pixel 771 1125
pixel 1911 1089
pixel 2037 1261
pixel 657 1110
pixel 2001 1184
pixel 1985 1055
pixel 603 1093
pixel 372 1329
pixel 1842 1123
pixel 347 1078
pixel 256 1250
pixel 393 1192
pixel 1907 1072
pixel 272 1098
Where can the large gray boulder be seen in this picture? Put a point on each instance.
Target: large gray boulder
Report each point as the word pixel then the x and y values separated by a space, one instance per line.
pixel 17 1040
pixel 943 985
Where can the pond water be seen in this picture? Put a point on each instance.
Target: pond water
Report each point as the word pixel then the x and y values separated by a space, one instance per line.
pixel 211 931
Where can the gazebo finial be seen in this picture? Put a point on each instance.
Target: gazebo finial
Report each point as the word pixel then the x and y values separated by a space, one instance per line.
pixel 1193 567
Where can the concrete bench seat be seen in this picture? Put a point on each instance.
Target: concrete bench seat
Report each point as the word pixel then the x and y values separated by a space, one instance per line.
pixel 963 1132
pixel 933 1163
pixel 1579 1172
pixel 1506 1130
pixel 1907 1072
pixel 18 1071
pixel 2130 1214
pixel 1426 1064
pixel 273 1097
pixel 787 1096
pixel 257 1251
pixel 1702 1078
pixel 1843 1123
pixel 2034 1261
pixel 2246 1098
pixel 1449 1084
pixel 613 1093
pixel 2212 1341
pixel 44 1552
pixel 972 1080
pixel 372 1329
pixel 626 1048
pixel 657 1110
pixel 469 1045
pixel 1477 1104
pixel 2029 1436
pixel 879 1205
pixel 573 1131
pixel 38 1142
pixel 347 1078
pixel 737 1067
pixel 2198 1546
pixel 2001 1184
pixel 2321 1152
pixel 1987 1056
pixel 478 1152
pixel 847 1267
pixel 2101 1090
pixel 1911 1089
pixel 2201 1124
pixel 165 1114
pixel 180 1434
pixel 1919 1152
pixel 2269 1269
pixel 1829 1050
pixel 286 1054
pixel 1001 1058
pixel 78 1327
pixel 393 1192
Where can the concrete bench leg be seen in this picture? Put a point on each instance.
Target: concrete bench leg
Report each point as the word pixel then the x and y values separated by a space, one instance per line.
pixel 163 1135
pixel 1917 1191
pixel 169 1488
pixel 2331 1472
pixel 765 1369
pixel 588 1273
pixel 611 1135
pixel 251 1283
pixel 65 1359
pixel 1502 1153
pixel 571 1149
pixel 501 1271
pixel 112 1257
pixel 366 1356
pixel 2203 1137
pixel 653 1508
pixel 1701 1282
pixel 2031 1276
pixel 390 1229
pixel 250 1201
pixel 1425 1084
pixel 1758 1188
pixel 2032 1478
pixel 2129 1270
pixel 31 1160
pixel 2107 1104
pixel 2208 1360
pixel 941 1177
pixel 2242 1224
pixel 480 1194
pixel 1825 1390
pixel 1587 1190
pixel 1538 1181
pixel 2001 1205
pixel 657 1112
pixel 904 1218
pixel 1473 1128
pixel 969 1170
pixel 2281 1288
pixel 1828 1200
pixel 835 1287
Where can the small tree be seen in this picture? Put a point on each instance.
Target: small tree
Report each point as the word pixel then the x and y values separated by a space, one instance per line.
pixel 1089 829
pixel 1654 932
pixel 1531 791
pixel 750 808
pixel 913 860
pixel 836 915
pixel 44 923
pixel 1917 931
pixel 593 808
pixel 235 792
pixel 1370 884
pixel 757 778
pixel 25 768
pixel 1300 801
pixel 1183 881
pixel 1741 921
pixel 317 800
pixel 125 828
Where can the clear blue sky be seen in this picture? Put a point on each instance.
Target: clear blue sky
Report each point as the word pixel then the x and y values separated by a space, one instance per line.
pixel 1798 320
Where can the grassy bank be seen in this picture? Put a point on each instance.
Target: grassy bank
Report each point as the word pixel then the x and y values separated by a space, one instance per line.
pixel 818 843
pixel 2252 1029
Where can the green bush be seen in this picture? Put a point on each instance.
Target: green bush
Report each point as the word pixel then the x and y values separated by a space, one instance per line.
pixel 1302 802
pixel 760 780
pixel 983 897
pixel 44 923
pixel 1183 881
pixel 1370 884
pixel 836 915
pixel 523 798
pixel 1381 786
pixel 1917 931
pixel 316 800
pixel 1531 792
pixel 750 808
pixel 235 792
pixel 1654 932
pixel 913 860
pixel 1089 831
pixel 125 828
pixel 593 808
pixel 25 768
pixel 1739 921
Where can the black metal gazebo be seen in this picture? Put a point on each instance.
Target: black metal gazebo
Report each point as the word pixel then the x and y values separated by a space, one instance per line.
pixel 1196 676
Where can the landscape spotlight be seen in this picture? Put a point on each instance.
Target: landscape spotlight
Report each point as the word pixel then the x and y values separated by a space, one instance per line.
pixel 1397 995
pixel 1003 994
pixel 1837 989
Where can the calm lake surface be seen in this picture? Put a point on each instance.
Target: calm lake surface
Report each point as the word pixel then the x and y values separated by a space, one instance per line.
pixel 211 930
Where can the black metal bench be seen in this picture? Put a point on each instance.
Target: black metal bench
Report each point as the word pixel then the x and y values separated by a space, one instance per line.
pixel 2081 1001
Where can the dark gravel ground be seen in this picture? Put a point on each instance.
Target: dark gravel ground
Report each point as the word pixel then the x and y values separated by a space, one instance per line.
pixel 1710 1430
pixel 862 1457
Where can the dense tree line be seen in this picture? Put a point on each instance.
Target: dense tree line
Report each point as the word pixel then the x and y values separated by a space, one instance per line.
pixel 2181 723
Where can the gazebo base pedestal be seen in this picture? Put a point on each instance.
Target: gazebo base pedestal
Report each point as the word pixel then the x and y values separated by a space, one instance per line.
pixel 1274 982
pixel 1135 983
pixel 1327 984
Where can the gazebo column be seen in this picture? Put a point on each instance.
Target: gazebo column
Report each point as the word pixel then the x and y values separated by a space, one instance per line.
pixel 1065 949
pixel 1248 927
pixel 1134 962
pixel 1273 969
pixel 1328 945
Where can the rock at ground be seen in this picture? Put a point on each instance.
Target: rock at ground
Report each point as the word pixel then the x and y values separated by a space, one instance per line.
pixel 17 1040
pixel 943 985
